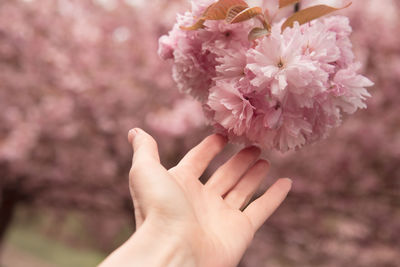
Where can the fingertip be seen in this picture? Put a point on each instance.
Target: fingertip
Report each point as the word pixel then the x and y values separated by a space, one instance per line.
pixel 143 144
pixel 251 153
pixel 285 183
pixel 223 137
pixel 254 149
pixel 131 135
pixel 287 180
pixel 218 140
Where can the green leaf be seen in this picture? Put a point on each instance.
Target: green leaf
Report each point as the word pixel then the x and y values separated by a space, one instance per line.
pixel 309 14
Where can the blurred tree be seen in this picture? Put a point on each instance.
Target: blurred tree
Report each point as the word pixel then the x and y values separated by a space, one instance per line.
pixel 75 77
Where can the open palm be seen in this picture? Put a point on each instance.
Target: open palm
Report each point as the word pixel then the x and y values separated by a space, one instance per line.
pixel 213 214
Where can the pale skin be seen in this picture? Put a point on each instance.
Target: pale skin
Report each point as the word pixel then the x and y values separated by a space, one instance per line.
pixel 182 222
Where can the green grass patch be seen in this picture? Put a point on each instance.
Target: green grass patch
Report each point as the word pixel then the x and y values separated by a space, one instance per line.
pixel 51 251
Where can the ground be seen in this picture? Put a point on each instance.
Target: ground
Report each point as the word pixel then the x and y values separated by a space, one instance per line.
pixel 24 248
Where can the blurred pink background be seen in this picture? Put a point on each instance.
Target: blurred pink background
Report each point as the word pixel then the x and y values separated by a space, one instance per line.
pixel 76 75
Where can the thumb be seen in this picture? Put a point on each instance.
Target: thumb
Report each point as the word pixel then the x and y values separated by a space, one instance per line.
pixel 144 146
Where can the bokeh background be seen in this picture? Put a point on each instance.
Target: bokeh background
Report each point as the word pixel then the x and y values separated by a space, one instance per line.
pixel 76 75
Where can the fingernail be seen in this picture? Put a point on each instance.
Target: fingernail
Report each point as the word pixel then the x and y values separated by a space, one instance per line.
pixel 131 135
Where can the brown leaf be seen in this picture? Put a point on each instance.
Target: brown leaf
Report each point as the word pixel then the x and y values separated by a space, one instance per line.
pixel 284 3
pixel 233 12
pixel 198 25
pixel 219 10
pixel 216 11
pixel 309 14
pixel 258 33
pixel 247 14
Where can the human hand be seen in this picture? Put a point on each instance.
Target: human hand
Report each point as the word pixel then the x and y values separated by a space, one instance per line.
pixel 205 223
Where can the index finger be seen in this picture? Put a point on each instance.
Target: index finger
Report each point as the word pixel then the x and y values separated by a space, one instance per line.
pixel 198 158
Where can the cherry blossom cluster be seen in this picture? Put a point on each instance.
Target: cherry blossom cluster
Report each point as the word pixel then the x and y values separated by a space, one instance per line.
pixel 281 91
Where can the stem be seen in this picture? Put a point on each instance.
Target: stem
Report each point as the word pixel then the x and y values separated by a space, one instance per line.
pixel 264 22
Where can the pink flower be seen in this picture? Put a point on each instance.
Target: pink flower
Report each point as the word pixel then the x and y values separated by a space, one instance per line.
pixel 166 47
pixel 231 110
pixel 278 63
pixel 232 62
pixel 320 45
pixel 349 88
pixel 341 26
pixel 280 129
pixel 168 43
pixel 194 68
pixel 221 35
pixel 275 13
pixel 283 91
pixel 195 52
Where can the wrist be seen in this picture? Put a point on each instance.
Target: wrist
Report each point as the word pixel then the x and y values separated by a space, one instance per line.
pixel 161 244
pixel 158 243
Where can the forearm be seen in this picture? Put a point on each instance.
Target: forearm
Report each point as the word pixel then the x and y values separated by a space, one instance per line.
pixel 152 247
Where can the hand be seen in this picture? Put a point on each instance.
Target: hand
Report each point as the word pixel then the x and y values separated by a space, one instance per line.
pixel 205 222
